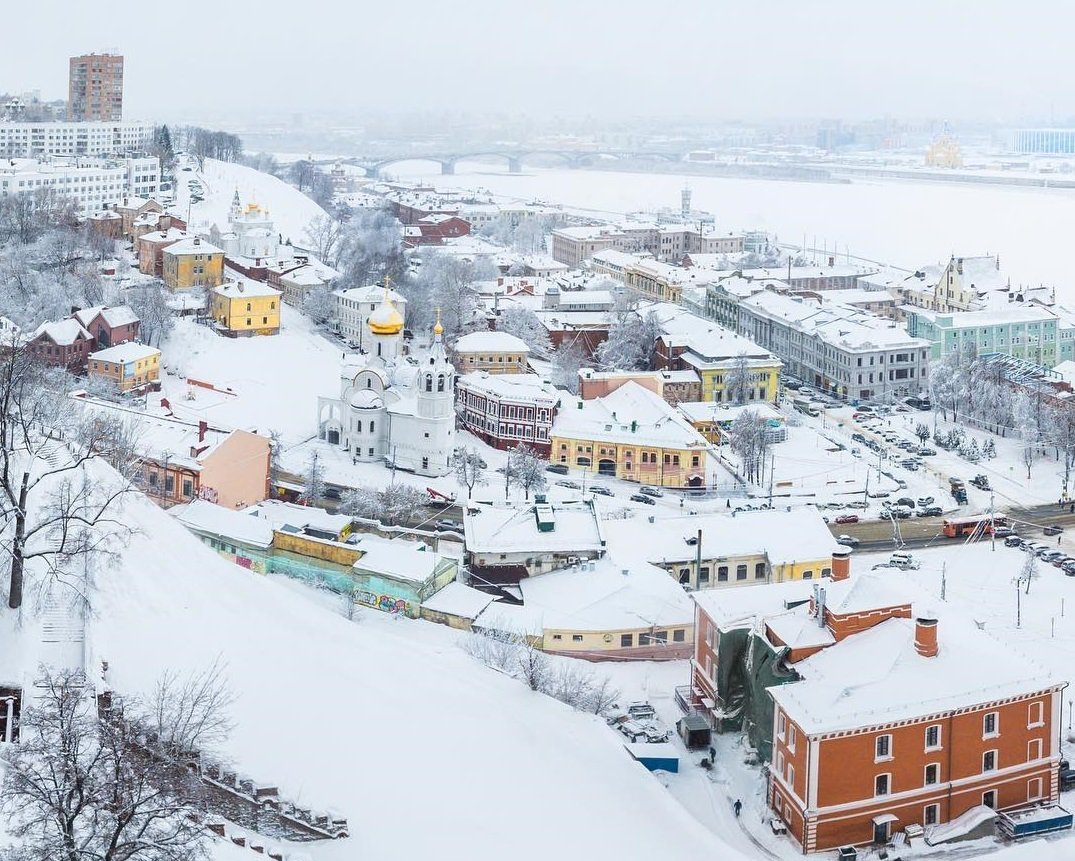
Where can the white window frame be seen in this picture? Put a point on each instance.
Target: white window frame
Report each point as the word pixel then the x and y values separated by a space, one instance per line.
pixel 888 785
pixel 996 725
pixel 1033 722
pixel 940 737
pixel 1031 795
pixel 996 761
pixel 925 773
pixel 925 817
pixel 877 755
pixel 1030 757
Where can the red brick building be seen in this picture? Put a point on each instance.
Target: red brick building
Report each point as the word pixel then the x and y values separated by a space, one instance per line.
pixel 64 344
pixel 505 410
pixel 109 326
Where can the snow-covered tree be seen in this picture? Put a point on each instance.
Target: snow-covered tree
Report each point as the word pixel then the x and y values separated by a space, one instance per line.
pixel 737 380
pixel 313 481
pixel 630 342
pixel 567 360
pixel 469 469
pixel 319 305
pixel 393 505
pixel 1029 571
pixel 750 440
pixel 922 432
pixel 371 248
pixel 526 469
pixel 323 236
pixel 444 282
pixel 526 325
pixel 150 303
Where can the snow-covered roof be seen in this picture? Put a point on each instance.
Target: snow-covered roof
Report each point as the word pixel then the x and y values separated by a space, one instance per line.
pixel 192 245
pixel 244 289
pixel 280 514
pixel 497 528
pixel 743 607
pixel 373 293
pixel 458 599
pixel 203 516
pixel 798 535
pixel 172 234
pixel 711 411
pixel 629 414
pixel 605 595
pixel 490 342
pixel 396 558
pixel 709 340
pixel 62 333
pixel 878 677
pixel 121 315
pixel 1009 315
pixel 123 353
pixel 528 388
pixel 799 629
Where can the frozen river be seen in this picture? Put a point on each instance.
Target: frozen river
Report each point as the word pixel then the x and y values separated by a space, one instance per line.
pixel 903 223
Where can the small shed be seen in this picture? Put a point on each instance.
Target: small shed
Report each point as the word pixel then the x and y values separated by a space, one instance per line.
pixel 655 756
pixel 695 731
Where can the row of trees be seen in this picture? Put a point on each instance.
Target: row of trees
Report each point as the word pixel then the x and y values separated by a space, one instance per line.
pixel 206 143
pixel 751 441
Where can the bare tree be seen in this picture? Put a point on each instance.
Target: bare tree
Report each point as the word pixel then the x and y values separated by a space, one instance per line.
pixel 526 469
pixel 150 303
pixel 86 784
pixel 1061 433
pixel 524 324
pixel 320 304
pixel 392 506
pixel 750 440
pixel 51 509
pixel 323 237
pixel 567 361
pixel 469 469
pixel 737 380
pixel 276 449
pixel 1029 571
pixel 922 432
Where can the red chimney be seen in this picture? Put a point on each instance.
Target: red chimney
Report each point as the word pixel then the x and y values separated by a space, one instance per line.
pixel 203 426
pixel 841 564
pixel 925 636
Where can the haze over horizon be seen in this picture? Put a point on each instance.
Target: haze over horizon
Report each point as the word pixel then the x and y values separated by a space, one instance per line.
pixel 997 62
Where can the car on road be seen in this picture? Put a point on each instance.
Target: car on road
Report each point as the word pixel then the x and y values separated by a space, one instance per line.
pixel 930 511
pixel 641 497
pixel 569 484
pixel 1013 541
pixel 925 500
pixel 1052 529
pixel 1003 532
pixel 847 518
pixel 981 482
pixel 859 438
pixel 449 525
pixel 926 451
pixel 848 541
pixel 601 490
pixel 650 491
pixel 558 468
pixel 879 494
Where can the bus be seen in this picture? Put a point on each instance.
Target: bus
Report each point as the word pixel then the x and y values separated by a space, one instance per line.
pixel 977 524
pixel 804 406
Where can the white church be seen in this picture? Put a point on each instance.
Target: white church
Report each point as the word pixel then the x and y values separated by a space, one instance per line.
pixel 251 234
pixel 394 407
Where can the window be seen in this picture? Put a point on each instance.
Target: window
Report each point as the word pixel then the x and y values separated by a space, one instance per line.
pixel 1033 789
pixel 576 638
pixel 1033 749
pixel 791 774
pixel 169 483
pixel 882 747
pixel 703 574
pixel 627 640
pixel 1034 715
pixel 188 487
pixel 881 784
pixel 933 737
pixel 931 813
pixel 679 635
pixel 740 572
pixel 153 479
pixel 781 726
pixel 684 575
pixel 932 773
pixel 425 463
pixel 989 798
pixel 557 637
pixel 989 725
pixel 722 573
pixel 791 738
pixel 759 571
pixel 989 761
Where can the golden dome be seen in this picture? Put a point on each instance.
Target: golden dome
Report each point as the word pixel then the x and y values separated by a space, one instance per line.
pixel 438 329
pixel 386 320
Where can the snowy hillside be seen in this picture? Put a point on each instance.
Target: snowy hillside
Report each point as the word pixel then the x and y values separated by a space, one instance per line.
pixel 289 208
pixel 386 721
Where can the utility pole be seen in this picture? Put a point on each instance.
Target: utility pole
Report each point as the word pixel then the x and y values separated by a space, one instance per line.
pixel 772 469
pixel 992 524
pixel 944 580
pixel 1018 605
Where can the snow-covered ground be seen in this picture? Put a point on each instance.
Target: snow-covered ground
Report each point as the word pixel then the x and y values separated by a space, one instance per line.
pixel 275 379
pixel 289 208
pixel 428 753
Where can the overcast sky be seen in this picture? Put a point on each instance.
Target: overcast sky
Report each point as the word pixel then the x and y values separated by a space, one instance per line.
pixel 1004 61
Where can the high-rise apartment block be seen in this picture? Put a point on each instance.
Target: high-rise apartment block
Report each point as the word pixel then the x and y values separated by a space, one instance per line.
pixel 95 88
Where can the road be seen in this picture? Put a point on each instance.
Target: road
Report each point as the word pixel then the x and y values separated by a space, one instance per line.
pixel 875 535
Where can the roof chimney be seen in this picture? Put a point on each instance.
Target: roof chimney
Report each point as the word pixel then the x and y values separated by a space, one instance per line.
pixel 925 636
pixel 821 606
pixel 203 426
pixel 841 564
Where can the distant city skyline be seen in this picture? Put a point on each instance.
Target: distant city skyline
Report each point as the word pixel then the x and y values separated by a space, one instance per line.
pixel 1004 63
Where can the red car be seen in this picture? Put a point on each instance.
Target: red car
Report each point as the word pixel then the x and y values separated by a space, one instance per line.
pixel 847 518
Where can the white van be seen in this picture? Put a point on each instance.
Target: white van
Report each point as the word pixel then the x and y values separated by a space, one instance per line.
pixel 903 561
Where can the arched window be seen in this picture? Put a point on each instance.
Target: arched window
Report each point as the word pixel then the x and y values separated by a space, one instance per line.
pixel 247 306
pixel 359 428
pixel 378 348
pixel 440 382
pixel 369 383
pixel 371 427
pixel 429 382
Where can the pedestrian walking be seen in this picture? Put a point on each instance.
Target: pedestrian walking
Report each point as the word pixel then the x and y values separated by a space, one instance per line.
pixel 737 807
pixel 1072 509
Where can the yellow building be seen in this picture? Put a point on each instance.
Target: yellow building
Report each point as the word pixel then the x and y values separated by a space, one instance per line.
pixel 192 262
pixel 126 366
pixel 761 377
pixel 718 551
pixel 245 308
pixel 631 434
pixel 944 152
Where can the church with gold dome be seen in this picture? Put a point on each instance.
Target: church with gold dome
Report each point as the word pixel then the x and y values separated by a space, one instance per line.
pixel 393 407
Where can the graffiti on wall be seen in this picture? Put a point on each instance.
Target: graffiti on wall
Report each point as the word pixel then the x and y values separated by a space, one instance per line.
pixel 209 494
pixel 385 603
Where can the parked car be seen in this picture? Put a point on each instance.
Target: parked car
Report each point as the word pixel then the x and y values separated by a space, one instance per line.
pixel 601 490
pixel 1003 532
pixel 641 497
pixel 981 482
pixel 1061 561
pixel 1013 541
pixel 859 438
pixel 847 518
pixel 1069 568
pixel 558 468
pixel 1052 530
pixel 1052 555
pixel 925 500
pixel 879 494
pixel 902 512
pixel 569 484
pixel 931 511
pixel 926 451
pixel 449 525
pixel 903 561
pixel 905 500
pixel 848 541
pixel 650 491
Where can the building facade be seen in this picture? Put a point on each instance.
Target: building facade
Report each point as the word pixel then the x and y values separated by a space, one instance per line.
pixel 1027 332
pixel 505 410
pixel 109 326
pixel 492 352
pixel 245 308
pixel 37 140
pixel 95 88
pixel 354 307
pixel 65 344
pixel 91 184
pixel 192 262
pixel 125 366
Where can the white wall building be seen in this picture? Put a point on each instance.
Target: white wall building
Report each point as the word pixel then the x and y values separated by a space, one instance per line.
pixel 93 184
pixel 251 234
pixel 35 140
pixel 391 406
pixel 354 307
